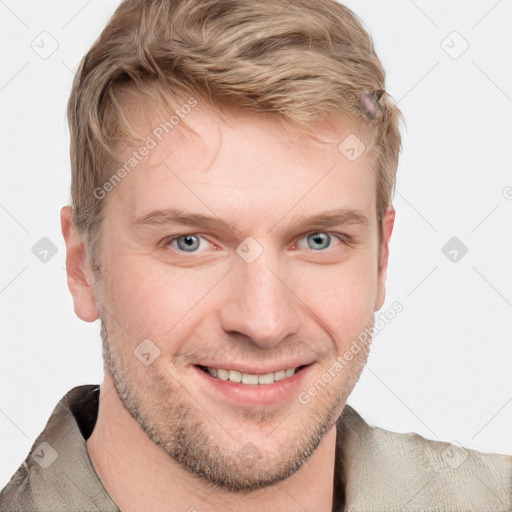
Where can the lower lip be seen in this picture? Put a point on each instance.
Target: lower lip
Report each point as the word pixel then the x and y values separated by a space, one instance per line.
pixel 255 394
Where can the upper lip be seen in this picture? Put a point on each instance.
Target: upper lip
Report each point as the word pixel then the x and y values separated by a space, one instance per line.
pixel 245 367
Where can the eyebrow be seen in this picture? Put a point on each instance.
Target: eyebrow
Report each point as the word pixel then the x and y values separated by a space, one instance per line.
pixel 320 220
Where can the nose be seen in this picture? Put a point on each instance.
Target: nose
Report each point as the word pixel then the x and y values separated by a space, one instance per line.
pixel 260 304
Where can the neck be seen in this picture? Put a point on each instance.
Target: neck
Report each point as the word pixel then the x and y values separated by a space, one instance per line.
pixel 139 476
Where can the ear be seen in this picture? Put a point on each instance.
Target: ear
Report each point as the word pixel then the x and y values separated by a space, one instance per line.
pixel 80 276
pixel 388 222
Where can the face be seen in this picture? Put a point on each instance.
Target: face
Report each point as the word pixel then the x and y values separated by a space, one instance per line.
pixel 263 258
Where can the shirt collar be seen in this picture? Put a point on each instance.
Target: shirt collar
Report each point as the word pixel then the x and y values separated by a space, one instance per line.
pixel 71 478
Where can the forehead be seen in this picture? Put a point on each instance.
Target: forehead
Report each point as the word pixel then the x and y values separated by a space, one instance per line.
pixel 241 161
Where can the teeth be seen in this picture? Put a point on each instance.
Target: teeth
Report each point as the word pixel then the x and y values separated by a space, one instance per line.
pixel 221 373
pixel 268 378
pixel 289 372
pixel 247 378
pixel 235 376
pixel 279 375
pixel 250 378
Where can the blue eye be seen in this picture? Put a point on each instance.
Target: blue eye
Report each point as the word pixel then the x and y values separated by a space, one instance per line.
pixel 319 241
pixel 187 243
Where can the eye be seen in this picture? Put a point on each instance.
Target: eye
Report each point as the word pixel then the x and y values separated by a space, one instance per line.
pixel 193 243
pixel 318 241
pixel 186 243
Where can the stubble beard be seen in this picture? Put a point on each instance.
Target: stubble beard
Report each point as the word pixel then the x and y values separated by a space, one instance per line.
pixel 192 437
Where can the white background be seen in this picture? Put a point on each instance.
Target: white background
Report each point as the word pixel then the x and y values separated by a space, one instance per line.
pixel 441 368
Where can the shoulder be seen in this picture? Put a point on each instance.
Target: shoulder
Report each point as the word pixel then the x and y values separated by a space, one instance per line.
pixel 409 472
pixel 58 465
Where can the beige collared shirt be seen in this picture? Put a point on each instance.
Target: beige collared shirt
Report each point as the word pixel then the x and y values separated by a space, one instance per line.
pixel 376 470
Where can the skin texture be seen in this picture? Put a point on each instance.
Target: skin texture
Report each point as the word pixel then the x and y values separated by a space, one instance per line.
pixel 163 439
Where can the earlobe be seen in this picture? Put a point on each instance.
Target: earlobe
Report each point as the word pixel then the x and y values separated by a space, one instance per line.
pixel 80 277
pixel 388 222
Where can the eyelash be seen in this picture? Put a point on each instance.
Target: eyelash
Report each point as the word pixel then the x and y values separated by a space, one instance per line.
pixel 342 238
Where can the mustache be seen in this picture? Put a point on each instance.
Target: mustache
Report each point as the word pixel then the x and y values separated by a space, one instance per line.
pixel 193 351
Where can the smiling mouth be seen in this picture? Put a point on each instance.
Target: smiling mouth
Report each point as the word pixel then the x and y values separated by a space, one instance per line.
pixel 251 379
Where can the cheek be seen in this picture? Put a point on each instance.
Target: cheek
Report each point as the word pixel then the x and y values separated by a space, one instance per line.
pixel 152 298
pixel 342 296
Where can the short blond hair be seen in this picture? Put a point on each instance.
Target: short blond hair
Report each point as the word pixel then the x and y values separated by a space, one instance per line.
pixel 301 60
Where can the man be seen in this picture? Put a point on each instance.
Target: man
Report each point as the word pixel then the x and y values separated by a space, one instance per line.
pixel 233 164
